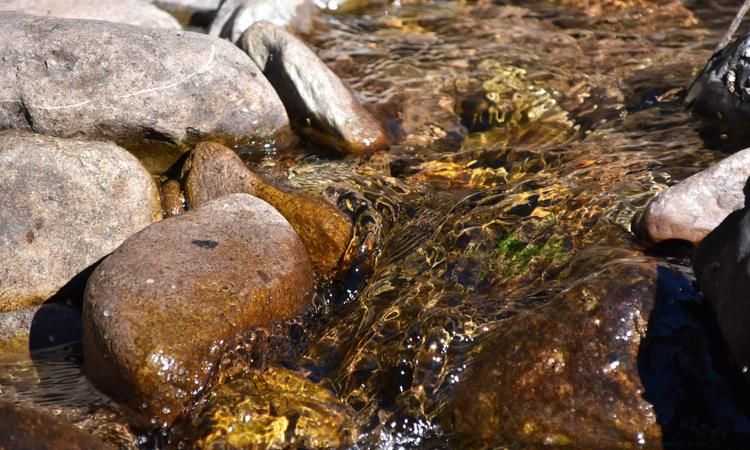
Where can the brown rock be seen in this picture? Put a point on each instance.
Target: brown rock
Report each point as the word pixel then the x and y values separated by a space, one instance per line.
pixel 64 205
pixel 171 198
pixel 160 309
pixel 134 12
pixel 24 429
pixel 566 373
pixel 213 170
pixel 317 101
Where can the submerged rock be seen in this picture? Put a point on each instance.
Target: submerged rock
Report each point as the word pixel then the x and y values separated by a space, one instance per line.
pixel 25 429
pixel 65 77
pixel 691 209
pixel 721 266
pixel 318 102
pixel 236 16
pixel 566 373
pixel 722 90
pixel 285 411
pixel 64 205
pixel 213 171
pixel 159 311
pixel 134 12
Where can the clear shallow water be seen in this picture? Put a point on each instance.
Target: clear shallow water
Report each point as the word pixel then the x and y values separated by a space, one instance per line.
pixel 526 133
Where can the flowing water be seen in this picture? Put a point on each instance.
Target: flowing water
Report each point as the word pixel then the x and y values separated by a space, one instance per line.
pixel 525 134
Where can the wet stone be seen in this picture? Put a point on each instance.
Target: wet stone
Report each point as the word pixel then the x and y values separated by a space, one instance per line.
pixel 159 311
pixel 64 205
pixel 25 429
pixel 170 87
pixel 567 372
pixel 270 408
pixel 134 12
pixel 213 170
pixel 691 209
pixel 318 102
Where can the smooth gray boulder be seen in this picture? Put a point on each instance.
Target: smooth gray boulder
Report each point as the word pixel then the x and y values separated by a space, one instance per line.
pixel 65 77
pixel 160 310
pixel 689 210
pixel 134 12
pixel 64 205
pixel 236 16
pixel 722 266
pixel 318 102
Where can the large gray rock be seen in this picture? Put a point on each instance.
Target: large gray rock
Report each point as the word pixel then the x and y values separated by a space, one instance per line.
pixel 236 16
pixel 692 208
pixel 65 77
pixel 317 100
pixel 159 311
pixel 64 204
pixel 133 12
pixel 722 266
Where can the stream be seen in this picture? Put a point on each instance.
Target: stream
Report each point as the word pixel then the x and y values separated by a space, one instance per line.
pixel 527 136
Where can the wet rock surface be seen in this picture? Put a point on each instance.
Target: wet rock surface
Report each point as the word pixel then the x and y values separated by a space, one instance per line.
pixel 287 411
pixel 24 429
pixel 66 77
pixel 213 170
pixel 236 16
pixel 722 89
pixel 567 373
pixel 160 310
pixel 691 209
pixel 721 267
pixel 318 102
pixel 64 205
pixel 134 12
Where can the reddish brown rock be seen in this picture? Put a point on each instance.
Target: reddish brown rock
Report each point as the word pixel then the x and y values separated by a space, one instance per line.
pixel 213 170
pixel 159 311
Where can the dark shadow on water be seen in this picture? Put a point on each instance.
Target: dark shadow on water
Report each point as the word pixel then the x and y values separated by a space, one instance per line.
pixel 697 393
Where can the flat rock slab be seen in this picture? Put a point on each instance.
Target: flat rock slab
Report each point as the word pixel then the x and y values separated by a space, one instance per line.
pixel 318 102
pixel 692 208
pixel 64 205
pixel 159 311
pixel 65 77
pixel 134 12
pixel 26 429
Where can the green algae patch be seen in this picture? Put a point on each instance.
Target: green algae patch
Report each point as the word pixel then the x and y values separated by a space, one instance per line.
pixel 514 256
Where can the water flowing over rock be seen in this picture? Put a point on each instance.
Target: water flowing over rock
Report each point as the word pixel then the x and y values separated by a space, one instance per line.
pixel 65 77
pixel 159 311
pixel 567 372
pixel 722 90
pixel 721 266
pixel 134 12
pixel 24 429
pixel 236 16
pixel 317 100
pixel 64 204
pixel 695 206
pixel 213 171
